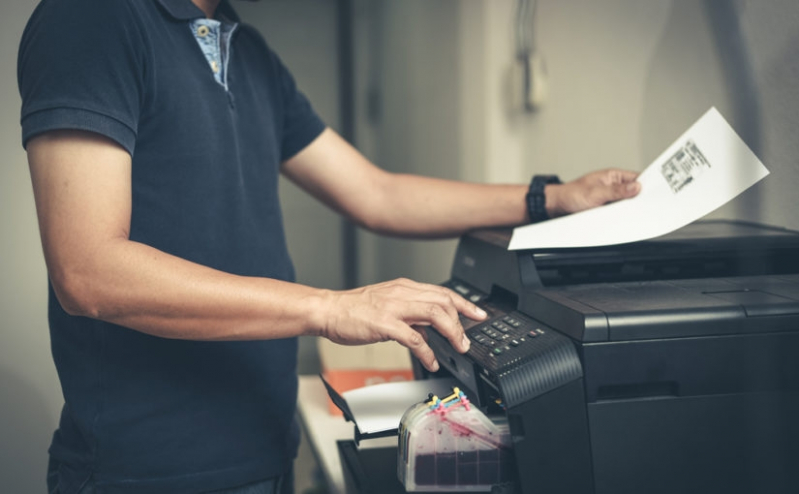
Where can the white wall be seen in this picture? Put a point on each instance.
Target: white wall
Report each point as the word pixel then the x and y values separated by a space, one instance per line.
pixel 624 79
pixel 757 86
pixel 408 55
pixel 771 36
pixel 30 397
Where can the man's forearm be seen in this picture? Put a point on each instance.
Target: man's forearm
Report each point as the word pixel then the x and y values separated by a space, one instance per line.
pixel 142 288
pixel 415 206
pixel 430 207
pixel 139 287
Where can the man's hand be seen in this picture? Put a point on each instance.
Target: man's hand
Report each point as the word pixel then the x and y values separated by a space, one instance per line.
pixel 399 310
pixel 591 190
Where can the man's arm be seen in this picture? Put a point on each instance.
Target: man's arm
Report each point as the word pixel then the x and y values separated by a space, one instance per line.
pixel 82 186
pixel 411 205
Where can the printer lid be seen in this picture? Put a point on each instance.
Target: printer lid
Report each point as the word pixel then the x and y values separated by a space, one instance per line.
pixel 716 248
pixel 708 278
pixel 669 309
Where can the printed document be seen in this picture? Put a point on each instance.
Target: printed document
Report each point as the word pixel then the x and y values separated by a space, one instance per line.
pixel 702 170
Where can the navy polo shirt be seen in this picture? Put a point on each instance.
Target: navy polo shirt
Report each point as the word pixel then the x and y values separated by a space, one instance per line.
pixel 141 413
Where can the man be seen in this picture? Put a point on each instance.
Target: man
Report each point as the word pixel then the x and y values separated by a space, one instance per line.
pixel 155 132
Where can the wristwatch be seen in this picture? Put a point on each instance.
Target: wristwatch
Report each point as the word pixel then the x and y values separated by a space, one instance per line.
pixel 536 200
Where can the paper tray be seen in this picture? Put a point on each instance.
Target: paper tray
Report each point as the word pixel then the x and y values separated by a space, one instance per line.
pixel 376 410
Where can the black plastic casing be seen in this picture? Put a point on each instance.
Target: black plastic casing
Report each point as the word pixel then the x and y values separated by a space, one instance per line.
pixel 663 366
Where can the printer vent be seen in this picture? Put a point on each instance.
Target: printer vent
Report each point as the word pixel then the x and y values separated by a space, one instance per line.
pixel 555 366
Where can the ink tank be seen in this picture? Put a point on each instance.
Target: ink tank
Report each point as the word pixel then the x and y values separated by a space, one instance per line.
pixel 448 445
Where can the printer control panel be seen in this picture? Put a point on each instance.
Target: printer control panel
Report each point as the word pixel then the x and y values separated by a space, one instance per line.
pixel 512 357
pixel 504 339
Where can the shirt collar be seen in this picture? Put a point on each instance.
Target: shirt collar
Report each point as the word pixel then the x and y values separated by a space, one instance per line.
pixel 184 10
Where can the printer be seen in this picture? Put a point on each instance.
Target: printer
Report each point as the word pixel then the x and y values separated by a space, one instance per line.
pixel 663 366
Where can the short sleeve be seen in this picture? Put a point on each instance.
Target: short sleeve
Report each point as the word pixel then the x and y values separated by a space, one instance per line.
pixel 80 67
pixel 301 124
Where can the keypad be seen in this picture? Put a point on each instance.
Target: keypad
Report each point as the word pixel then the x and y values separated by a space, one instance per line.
pixel 505 338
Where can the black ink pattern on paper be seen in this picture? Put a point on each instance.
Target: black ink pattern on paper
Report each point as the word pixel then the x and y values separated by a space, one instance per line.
pixel 684 167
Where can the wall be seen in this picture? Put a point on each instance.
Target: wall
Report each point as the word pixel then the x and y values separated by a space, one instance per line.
pixel 304 33
pixel 758 59
pixel 408 112
pixel 30 397
pixel 771 36
pixel 624 79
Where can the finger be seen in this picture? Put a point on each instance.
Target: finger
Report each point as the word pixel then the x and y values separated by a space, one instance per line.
pixel 465 307
pixel 435 315
pixel 624 176
pixel 614 192
pixel 450 302
pixel 422 330
pixel 460 304
pixel 626 190
pixel 441 298
pixel 413 341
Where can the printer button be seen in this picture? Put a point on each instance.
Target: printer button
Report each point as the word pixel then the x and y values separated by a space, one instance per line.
pixel 501 326
pixel 512 321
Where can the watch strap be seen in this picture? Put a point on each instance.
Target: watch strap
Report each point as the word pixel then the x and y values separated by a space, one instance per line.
pixel 536 197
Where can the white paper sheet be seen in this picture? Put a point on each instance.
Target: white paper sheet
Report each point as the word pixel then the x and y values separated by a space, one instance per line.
pixel 702 170
pixel 380 407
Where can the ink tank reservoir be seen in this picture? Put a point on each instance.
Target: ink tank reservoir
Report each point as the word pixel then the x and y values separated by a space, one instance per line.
pixel 448 445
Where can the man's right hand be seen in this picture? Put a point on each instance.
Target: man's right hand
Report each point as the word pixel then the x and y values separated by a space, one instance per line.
pixel 399 310
pixel 590 191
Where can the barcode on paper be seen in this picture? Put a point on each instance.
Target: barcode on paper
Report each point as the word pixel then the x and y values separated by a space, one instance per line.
pixel 682 168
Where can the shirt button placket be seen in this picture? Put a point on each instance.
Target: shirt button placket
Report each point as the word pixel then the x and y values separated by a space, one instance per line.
pixel 207 36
